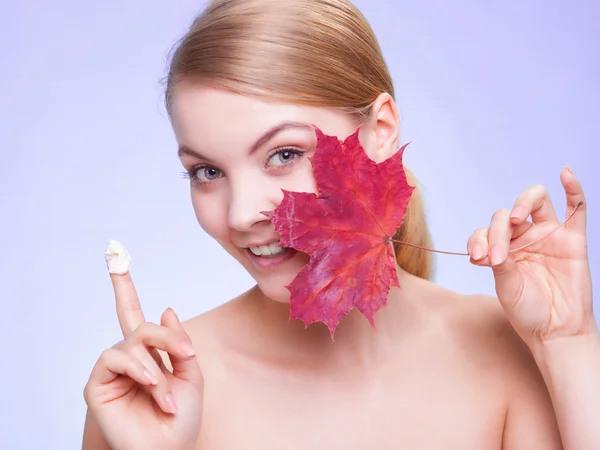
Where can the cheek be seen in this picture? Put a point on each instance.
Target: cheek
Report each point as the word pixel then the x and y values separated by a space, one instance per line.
pixel 302 179
pixel 211 214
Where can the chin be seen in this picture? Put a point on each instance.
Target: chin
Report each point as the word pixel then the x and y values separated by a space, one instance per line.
pixel 279 293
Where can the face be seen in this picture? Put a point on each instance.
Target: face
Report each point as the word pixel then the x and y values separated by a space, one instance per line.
pixel 240 152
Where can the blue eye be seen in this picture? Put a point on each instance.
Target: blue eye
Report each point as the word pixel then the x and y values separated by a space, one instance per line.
pixel 284 156
pixel 205 174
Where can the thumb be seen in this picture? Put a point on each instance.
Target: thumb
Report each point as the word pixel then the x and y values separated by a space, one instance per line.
pixel 184 368
pixel 576 203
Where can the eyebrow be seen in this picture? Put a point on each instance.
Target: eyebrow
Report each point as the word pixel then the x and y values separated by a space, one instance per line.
pixel 266 137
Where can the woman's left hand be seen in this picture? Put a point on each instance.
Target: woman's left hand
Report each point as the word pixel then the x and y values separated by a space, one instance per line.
pixel 545 288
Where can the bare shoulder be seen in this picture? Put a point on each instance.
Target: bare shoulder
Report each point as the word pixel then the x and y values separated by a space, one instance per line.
pixel 479 321
pixel 477 329
pixel 486 320
pixel 477 325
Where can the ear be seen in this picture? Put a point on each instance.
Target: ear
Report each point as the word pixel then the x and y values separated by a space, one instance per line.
pixel 380 133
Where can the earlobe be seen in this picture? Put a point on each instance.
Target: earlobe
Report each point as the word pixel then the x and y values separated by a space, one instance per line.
pixel 384 123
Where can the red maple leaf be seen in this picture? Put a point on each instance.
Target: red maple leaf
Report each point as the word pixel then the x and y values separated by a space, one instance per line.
pixel 346 230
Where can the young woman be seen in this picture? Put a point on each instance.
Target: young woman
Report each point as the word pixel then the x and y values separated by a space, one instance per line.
pixel 443 370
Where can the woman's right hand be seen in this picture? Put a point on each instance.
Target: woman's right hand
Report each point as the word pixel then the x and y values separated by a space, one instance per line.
pixel 137 402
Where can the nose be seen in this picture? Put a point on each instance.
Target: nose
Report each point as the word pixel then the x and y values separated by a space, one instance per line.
pixel 246 202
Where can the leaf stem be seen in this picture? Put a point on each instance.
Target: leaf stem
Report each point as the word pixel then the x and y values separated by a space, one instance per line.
pixel 510 251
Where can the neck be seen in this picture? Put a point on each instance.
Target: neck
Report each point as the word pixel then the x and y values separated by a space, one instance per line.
pixel 356 343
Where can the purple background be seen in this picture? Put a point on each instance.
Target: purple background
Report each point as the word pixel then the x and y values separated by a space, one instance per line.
pixel 495 96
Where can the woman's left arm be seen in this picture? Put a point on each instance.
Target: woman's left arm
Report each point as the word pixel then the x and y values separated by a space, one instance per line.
pixel 571 370
pixel 545 290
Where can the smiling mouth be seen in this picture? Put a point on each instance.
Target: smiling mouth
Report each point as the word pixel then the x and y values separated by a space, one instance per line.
pixel 271 257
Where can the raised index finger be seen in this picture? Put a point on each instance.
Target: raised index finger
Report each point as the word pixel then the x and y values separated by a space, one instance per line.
pixel 129 310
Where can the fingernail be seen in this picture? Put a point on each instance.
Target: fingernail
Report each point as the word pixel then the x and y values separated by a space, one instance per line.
pixel 477 252
pixel 496 256
pixel 170 404
pixel 516 213
pixel 188 349
pixel 150 377
pixel 569 170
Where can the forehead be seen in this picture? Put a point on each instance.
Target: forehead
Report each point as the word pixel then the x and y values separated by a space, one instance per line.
pixel 211 118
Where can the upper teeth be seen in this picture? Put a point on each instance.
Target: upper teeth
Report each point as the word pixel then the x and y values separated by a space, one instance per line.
pixel 267 250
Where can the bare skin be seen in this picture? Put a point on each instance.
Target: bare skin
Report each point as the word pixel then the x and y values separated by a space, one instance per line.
pixel 453 374
pixel 442 370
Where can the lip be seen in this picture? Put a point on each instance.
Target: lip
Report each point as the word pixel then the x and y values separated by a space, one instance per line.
pixel 269 263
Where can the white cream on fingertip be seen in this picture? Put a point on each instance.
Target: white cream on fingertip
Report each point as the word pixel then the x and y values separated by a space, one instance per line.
pixel 117 258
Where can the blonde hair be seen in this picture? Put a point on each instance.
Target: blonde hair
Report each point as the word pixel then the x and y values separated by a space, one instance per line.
pixel 307 52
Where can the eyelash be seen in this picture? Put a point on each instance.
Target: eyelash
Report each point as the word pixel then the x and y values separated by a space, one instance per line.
pixel 191 174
